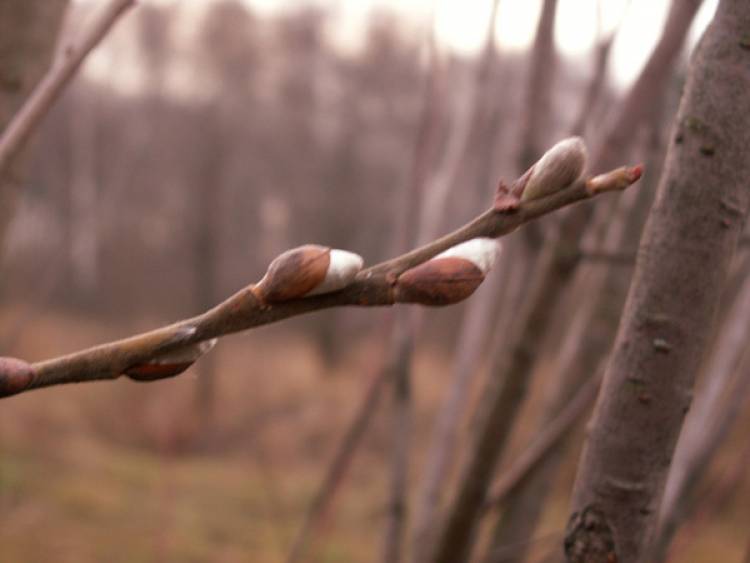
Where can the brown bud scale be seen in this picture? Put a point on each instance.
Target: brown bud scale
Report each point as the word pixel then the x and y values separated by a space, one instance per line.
pixel 440 281
pixel 294 273
pixel 15 376
pixel 154 371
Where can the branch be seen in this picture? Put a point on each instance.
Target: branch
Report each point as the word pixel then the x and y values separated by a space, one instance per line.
pixel 53 83
pixel 552 434
pixel 339 465
pixel 381 284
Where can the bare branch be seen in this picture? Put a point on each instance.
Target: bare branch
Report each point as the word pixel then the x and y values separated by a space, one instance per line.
pixel 53 83
pixel 552 434
pixel 374 286
pixel 339 465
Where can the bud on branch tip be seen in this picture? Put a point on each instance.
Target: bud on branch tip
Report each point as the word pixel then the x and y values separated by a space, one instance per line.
pixel 615 180
pixel 559 167
pixel 449 277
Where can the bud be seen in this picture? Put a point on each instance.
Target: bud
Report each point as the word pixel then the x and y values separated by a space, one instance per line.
pixel 450 277
pixel 171 363
pixel 15 376
pixel 307 270
pixel 342 269
pixel 617 179
pixel 559 167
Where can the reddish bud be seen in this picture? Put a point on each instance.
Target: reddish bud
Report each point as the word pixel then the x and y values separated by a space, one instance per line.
pixel 15 376
pixel 171 363
pixel 294 273
pixel 152 372
pixel 307 270
pixel 614 180
pixel 440 281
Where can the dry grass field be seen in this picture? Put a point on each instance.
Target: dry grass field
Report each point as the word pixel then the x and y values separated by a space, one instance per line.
pixel 121 472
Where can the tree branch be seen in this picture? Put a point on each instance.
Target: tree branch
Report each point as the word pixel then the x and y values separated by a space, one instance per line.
pixel 550 436
pixel 53 83
pixel 374 286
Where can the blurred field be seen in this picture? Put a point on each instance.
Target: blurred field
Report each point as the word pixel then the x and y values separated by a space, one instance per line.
pixel 120 472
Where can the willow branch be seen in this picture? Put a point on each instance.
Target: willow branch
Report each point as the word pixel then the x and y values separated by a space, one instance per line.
pixel 53 83
pixel 373 286
pixel 552 435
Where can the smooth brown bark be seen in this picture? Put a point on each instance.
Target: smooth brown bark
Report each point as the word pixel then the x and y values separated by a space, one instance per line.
pixel 28 33
pixel 682 265
pixel 511 369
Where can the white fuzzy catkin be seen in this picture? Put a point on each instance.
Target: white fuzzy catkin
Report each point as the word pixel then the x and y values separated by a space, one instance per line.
pixel 342 268
pixel 559 166
pixel 480 251
pixel 186 354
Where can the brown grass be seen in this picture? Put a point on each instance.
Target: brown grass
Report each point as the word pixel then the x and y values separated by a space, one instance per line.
pixel 121 471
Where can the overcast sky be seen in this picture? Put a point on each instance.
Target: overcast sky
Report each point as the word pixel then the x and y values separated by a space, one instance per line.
pixel 461 23
pixel 461 26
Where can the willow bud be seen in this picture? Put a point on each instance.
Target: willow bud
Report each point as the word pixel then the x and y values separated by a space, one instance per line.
pixel 559 167
pixel 15 376
pixel 307 270
pixel 450 277
pixel 614 180
pixel 170 363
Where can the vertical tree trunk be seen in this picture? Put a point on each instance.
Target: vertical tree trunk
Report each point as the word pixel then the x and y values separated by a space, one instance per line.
pixel 28 34
pixel 669 316
pixel 84 201
pixel 399 373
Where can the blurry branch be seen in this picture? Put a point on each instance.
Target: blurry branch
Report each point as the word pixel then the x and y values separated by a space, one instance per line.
pixel 626 257
pixel 511 551
pixel 709 422
pixel 614 258
pixel 549 437
pixel 398 372
pixel 53 83
pixel 374 286
pixel 601 65
pixel 338 467
pixel 538 106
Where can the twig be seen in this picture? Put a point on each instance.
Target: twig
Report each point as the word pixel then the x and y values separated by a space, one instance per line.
pixel 373 286
pixel 623 258
pixel 53 83
pixel 340 463
pixel 544 442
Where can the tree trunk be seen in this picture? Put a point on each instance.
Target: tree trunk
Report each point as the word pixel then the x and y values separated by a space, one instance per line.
pixel 669 317
pixel 28 34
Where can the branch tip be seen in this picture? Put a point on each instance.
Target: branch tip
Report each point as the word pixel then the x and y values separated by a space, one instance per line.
pixel 615 180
